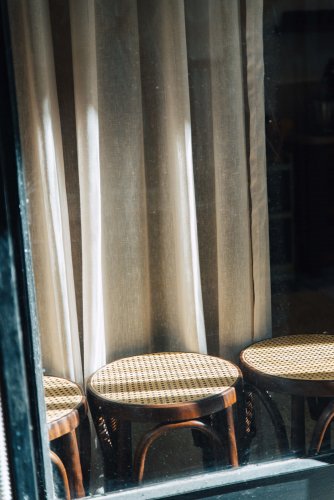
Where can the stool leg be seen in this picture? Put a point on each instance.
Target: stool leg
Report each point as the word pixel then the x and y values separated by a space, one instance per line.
pixel 201 441
pixel 74 465
pixel 232 443
pixel 298 425
pixel 62 471
pixel 320 428
pixel 223 424
pixel 105 430
pixel 124 462
pixel 151 436
pixel 246 423
pixel 276 418
pixel 115 441
pixel 85 451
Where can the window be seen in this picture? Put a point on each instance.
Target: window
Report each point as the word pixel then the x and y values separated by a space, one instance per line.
pixel 141 200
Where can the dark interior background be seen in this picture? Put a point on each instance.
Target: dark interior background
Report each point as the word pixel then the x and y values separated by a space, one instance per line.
pixel 299 91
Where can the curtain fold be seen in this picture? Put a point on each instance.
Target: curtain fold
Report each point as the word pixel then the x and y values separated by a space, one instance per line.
pixel 43 157
pixel 258 178
pixel 169 130
pixel 177 311
pixel 230 177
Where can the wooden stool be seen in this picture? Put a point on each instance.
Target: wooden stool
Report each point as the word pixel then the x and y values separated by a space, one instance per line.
pixel 301 366
pixel 66 408
pixel 174 390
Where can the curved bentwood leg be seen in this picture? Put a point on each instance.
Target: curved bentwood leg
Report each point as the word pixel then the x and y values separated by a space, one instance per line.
pixel 62 471
pixel 74 465
pixel 232 443
pixel 275 416
pixel 320 428
pixel 151 436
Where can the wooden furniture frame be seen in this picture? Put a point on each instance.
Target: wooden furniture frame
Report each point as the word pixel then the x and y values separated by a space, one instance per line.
pixel 66 409
pixel 113 418
pixel 301 366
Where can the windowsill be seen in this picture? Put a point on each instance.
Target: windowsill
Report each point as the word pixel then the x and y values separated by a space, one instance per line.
pixel 242 478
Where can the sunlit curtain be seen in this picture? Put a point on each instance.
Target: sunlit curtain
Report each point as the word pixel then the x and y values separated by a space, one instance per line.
pixel 142 128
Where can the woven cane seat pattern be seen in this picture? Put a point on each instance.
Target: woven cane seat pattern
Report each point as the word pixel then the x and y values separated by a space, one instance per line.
pixel 61 397
pixel 298 357
pixel 164 378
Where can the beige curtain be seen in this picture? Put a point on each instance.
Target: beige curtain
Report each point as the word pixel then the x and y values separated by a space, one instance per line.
pixel 142 128
pixel 43 157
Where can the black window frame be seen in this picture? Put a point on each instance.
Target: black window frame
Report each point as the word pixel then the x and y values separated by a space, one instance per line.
pixel 20 362
pixel 21 369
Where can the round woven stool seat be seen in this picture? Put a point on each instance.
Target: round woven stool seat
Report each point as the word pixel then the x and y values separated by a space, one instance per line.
pixel 173 390
pixel 61 397
pixel 163 379
pixel 297 364
pixel 65 405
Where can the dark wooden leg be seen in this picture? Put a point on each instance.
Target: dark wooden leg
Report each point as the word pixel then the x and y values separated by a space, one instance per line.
pixel 62 471
pixel 124 445
pixel 246 423
pixel 85 451
pixel 151 436
pixel 321 427
pixel 106 434
pixel 298 425
pixel 276 418
pixel 201 441
pixel 117 453
pixel 224 423
pixel 232 443
pixel 115 441
pixel 74 466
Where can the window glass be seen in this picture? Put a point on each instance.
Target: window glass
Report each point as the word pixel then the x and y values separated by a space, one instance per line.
pixel 178 172
pixel 299 131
